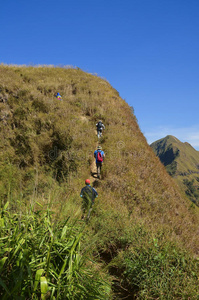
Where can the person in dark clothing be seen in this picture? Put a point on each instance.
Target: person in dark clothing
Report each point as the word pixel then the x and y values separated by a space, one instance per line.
pixel 99 126
pixel 88 194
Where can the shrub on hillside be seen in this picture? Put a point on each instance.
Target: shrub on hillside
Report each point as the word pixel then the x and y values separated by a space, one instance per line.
pixel 152 269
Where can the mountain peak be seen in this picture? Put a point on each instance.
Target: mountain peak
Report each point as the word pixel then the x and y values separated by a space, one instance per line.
pixel 180 159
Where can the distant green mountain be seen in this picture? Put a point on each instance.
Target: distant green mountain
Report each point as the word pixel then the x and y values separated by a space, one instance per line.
pixel 182 162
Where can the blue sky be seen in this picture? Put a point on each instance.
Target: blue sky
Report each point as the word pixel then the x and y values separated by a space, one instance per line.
pixel 147 49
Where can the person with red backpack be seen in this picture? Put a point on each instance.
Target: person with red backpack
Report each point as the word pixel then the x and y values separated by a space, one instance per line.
pixel 99 155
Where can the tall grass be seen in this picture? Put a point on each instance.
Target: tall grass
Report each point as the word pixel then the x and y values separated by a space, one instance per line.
pixel 42 259
pixel 153 268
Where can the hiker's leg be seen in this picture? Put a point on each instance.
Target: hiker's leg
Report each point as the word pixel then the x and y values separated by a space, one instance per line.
pixel 85 207
pixel 89 213
pixel 100 167
pixel 98 170
pixel 83 213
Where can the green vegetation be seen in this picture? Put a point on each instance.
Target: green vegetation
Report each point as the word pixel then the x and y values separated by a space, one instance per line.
pixel 142 229
pixel 157 270
pixel 170 149
pixel 181 161
pixel 41 259
pixel 192 191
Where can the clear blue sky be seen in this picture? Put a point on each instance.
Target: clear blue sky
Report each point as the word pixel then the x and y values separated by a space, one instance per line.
pixel 147 49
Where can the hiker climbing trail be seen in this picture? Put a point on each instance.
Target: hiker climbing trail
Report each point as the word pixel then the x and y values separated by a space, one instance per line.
pixel 99 127
pixel 99 156
pixel 88 193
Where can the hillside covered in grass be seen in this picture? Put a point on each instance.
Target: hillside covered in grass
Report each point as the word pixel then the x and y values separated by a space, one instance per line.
pixel 182 162
pixel 142 239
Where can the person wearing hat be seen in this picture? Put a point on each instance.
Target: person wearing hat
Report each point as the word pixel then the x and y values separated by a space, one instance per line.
pixel 88 195
pixel 99 156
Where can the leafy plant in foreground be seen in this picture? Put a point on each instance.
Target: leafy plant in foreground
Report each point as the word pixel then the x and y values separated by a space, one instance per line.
pixel 42 260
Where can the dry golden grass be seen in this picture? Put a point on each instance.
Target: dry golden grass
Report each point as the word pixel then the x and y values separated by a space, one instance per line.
pixel 56 141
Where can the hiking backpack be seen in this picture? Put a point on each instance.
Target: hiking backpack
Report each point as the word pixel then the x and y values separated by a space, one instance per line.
pixel 99 157
pixel 99 125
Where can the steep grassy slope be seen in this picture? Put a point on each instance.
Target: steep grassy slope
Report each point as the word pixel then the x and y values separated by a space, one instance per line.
pixel 46 154
pixel 182 162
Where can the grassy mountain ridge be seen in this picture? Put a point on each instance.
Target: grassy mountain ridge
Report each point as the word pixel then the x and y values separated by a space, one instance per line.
pixel 188 160
pixel 47 152
pixel 182 162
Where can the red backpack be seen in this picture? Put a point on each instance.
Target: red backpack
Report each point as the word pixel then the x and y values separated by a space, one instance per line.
pixel 99 157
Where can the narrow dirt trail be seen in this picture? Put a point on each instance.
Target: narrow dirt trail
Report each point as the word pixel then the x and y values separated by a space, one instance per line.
pixel 93 172
pixel 93 168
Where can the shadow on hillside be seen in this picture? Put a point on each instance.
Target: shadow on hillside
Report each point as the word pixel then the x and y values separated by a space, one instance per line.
pixel 122 290
pixel 96 183
pixel 94 174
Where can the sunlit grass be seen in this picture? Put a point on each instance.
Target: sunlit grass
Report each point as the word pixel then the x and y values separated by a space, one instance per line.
pixel 46 154
pixel 42 258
